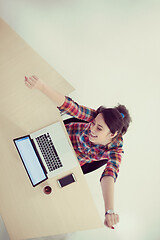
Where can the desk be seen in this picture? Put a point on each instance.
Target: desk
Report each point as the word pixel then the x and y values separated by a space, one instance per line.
pixel 26 211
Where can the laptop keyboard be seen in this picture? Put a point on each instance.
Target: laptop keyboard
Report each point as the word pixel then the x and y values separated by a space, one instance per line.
pixel 49 152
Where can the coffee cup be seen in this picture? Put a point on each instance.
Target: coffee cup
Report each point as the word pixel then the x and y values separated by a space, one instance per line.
pixel 47 190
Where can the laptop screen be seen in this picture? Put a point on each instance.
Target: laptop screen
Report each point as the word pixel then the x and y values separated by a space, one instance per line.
pixel 30 160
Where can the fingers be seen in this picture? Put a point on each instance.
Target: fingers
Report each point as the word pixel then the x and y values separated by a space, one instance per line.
pixel 111 219
pixel 31 81
pixel 115 218
pixel 27 83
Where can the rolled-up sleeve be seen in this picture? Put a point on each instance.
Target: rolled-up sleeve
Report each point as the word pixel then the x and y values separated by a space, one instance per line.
pixel 74 109
pixel 113 164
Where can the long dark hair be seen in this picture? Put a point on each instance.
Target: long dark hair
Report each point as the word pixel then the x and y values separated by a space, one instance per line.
pixel 117 118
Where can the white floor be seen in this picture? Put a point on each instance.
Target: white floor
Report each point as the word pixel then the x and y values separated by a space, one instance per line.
pixel 109 51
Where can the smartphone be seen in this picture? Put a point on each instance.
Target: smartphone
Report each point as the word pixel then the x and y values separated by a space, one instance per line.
pixel 66 180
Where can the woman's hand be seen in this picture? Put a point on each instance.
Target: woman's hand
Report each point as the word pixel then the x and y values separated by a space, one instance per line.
pixel 34 82
pixel 111 219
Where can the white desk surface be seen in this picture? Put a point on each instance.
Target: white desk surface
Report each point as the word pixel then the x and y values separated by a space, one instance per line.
pixel 26 211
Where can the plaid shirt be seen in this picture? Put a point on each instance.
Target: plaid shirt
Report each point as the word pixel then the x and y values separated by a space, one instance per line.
pixel 86 151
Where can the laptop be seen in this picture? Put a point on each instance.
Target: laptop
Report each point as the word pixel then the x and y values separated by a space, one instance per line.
pixel 46 153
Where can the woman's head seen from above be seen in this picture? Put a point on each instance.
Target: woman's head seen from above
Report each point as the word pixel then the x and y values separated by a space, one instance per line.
pixel 109 123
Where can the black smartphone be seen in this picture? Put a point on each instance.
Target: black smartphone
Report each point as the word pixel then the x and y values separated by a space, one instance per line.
pixel 66 180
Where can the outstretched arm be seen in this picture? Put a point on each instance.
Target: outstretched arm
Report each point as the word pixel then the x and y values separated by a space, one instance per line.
pixel 107 184
pixel 34 82
pixel 64 104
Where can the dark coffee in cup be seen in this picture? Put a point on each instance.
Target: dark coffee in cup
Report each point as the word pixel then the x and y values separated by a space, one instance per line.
pixel 47 189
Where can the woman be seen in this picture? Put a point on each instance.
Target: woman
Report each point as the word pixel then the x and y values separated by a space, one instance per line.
pixel 98 138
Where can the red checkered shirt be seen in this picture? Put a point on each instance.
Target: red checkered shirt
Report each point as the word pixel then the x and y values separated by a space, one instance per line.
pixel 86 151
